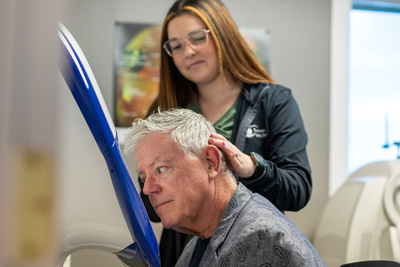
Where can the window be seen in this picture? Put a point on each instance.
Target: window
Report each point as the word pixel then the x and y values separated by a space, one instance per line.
pixel 374 87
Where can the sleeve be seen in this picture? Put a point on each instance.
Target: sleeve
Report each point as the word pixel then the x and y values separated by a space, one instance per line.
pixel 287 179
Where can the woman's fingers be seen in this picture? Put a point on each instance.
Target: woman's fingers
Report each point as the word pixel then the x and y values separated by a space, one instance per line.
pixel 240 162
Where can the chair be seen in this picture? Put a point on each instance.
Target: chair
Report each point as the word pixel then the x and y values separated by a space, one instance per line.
pixel 372 264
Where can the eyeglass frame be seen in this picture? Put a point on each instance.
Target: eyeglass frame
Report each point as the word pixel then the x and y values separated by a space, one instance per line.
pixel 207 31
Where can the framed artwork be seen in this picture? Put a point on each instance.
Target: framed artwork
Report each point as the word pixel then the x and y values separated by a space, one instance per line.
pixel 259 41
pixel 136 70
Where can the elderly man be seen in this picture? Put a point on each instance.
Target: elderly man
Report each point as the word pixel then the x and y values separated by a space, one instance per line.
pixel 193 191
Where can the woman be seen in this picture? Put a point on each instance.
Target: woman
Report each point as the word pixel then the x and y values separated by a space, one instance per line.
pixel 207 66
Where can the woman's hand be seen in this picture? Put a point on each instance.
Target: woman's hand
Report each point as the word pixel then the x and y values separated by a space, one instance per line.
pixel 241 163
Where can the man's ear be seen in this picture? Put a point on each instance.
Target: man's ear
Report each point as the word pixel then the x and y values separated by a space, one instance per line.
pixel 213 158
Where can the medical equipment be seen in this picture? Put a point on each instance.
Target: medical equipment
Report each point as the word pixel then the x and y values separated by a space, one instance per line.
pixel 82 83
pixel 362 220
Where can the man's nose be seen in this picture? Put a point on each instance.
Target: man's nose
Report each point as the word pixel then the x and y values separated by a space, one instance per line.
pixel 151 186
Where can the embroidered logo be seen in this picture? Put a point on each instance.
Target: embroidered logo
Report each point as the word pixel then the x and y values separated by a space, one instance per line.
pixel 254 131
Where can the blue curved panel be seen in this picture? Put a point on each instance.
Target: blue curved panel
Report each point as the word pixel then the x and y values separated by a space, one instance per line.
pixel 82 83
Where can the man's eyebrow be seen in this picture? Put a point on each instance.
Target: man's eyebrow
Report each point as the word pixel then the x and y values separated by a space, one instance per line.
pixel 155 161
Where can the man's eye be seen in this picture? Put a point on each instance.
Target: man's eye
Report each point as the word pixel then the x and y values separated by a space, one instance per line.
pixel 161 170
pixel 142 179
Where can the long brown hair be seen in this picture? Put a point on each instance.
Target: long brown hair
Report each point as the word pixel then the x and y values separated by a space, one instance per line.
pixel 233 52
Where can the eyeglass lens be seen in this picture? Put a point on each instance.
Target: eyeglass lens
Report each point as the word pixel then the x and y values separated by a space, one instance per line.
pixel 197 39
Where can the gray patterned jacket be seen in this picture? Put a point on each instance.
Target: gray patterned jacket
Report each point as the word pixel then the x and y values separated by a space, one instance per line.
pixel 252 232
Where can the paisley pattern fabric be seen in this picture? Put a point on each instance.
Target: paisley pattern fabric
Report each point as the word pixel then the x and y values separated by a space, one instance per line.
pixel 253 233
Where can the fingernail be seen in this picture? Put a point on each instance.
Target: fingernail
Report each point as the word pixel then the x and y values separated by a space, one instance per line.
pixel 223 143
pixel 212 134
pixel 212 140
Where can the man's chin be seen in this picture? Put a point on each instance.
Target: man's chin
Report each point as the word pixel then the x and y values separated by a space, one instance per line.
pixel 167 224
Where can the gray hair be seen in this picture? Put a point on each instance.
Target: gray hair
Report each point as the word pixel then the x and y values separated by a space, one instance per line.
pixel 190 131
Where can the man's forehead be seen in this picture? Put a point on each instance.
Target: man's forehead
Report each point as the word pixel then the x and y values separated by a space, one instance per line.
pixel 160 140
pixel 156 146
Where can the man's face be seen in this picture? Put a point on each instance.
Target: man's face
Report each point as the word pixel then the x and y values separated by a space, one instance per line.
pixel 176 184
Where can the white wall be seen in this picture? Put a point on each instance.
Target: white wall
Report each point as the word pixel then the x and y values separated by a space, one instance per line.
pixel 338 94
pixel 300 59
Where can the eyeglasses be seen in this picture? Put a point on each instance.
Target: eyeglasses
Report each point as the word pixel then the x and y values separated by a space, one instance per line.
pixel 175 47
